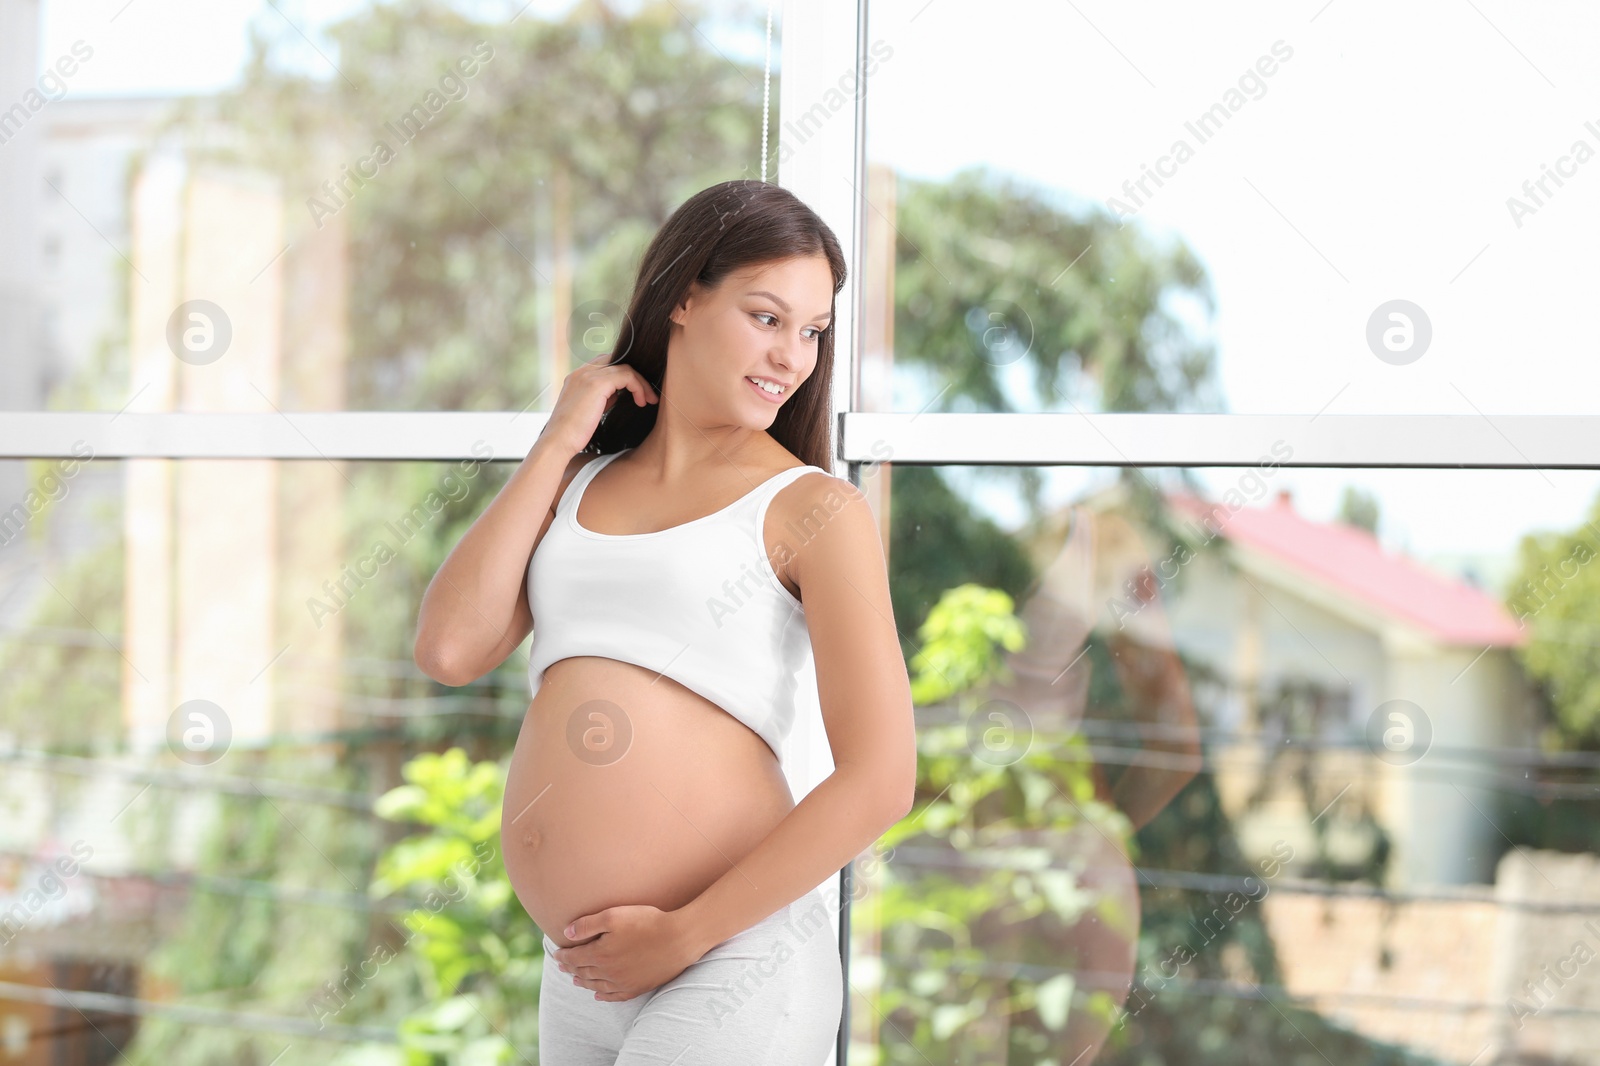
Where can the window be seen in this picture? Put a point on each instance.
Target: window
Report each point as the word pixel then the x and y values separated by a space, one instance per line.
pixel 1235 787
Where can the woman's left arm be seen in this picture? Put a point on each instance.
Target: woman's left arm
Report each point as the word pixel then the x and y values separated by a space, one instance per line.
pixel 865 696
pixel 866 709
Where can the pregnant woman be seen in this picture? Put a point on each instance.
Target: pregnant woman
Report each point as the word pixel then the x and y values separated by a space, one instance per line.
pixel 678 559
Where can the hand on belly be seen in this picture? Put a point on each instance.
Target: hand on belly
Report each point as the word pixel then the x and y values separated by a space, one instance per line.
pixel 589 823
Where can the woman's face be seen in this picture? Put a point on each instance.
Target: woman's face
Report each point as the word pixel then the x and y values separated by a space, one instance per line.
pixel 762 323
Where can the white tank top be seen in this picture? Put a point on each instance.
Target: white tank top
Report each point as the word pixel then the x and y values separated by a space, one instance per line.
pixel 698 602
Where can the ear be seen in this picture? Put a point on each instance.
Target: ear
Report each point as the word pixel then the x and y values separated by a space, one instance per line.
pixel 681 308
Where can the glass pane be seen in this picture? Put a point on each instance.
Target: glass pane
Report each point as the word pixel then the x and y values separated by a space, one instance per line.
pixel 1184 207
pixel 1301 789
pixel 1224 766
pixel 208 685
pixel 352 206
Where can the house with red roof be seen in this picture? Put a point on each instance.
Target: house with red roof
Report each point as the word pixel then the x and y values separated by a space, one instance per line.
pixel 1352 701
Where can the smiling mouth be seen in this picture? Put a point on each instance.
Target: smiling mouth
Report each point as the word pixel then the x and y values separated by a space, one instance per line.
pixel 771 390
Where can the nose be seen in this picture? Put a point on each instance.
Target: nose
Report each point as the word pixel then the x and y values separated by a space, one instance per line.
pixel 787 355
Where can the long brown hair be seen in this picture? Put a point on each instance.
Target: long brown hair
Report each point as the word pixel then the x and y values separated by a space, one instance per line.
pixel 716 232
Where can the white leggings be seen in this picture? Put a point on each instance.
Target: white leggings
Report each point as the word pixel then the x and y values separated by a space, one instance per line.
pixel 772 994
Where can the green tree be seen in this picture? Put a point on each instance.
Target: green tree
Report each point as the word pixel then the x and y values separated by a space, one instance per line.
pixel 448 309
pixel 938 540
pixel 1555 597
pixel 67 660
pixel 982 283
pixel 992 275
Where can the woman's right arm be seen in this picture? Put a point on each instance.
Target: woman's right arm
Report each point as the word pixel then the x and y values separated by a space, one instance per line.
pixel 475 611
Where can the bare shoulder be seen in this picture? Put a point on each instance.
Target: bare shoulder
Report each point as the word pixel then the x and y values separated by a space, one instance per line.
pixel 817 491
pixel 815 516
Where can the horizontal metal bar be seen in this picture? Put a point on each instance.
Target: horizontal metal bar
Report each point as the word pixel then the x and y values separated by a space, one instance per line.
pixel 135 769
pixel 908 857
pixel 308 1028
pixel 1494 442
pixel 1497 442
pixel 409 435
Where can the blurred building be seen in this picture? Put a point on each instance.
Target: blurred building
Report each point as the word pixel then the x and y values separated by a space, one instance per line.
pixel 110 227
pixel 1313 638
pixel 64 223
pixel 1405 675
pixel 91 148
pixel 21 152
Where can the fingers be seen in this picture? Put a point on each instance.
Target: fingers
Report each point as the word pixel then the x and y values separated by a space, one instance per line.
pixel 643 391
pixel 635 383
pixel 604 990
pixel 582 971
pixel 614 996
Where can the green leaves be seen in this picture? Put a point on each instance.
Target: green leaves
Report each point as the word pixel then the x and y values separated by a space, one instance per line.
pixel 962 640
pixel 448 792
pixel 980 852
pixel 403 803
pixel 1555 596
pixel 455 1030
pixel 470 929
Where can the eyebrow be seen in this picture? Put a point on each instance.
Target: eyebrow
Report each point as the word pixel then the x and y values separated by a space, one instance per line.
pixel 775 298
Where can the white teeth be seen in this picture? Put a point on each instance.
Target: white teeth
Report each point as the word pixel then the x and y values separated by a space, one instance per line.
pixel 767 386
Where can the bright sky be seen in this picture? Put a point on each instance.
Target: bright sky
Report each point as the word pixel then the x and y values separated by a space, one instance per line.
pixel 1374 163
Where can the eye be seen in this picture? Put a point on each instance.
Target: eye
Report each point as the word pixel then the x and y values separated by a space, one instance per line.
pixel 815 333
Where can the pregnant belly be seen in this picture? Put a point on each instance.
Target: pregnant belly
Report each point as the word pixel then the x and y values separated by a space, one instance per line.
pixel 627 788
